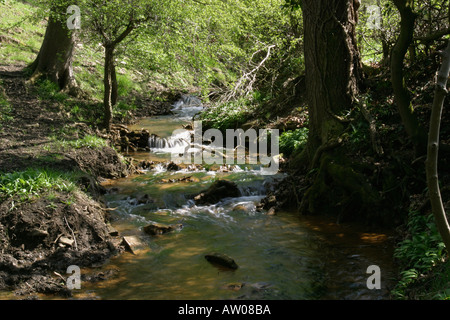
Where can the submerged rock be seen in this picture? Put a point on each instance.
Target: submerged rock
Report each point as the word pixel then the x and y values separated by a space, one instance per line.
pixel 234 286
pixel 222 260
pixel 158 228
pixel 219 190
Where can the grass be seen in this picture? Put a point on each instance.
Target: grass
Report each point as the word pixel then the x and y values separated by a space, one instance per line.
pixel 32 182
pixel 88 141
pixel 22 32
pixel 48 90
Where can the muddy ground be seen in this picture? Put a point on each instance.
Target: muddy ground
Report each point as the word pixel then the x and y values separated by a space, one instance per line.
pixel 45 234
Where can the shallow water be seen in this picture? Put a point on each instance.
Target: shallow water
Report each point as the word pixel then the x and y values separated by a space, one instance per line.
pixel 279 257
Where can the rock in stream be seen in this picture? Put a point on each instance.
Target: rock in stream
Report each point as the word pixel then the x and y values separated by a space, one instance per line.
pixel 222 260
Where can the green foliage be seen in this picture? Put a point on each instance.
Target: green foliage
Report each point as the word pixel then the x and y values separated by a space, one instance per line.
pixel 49 90
pixel 229 115
pixel 123 109
pixel 293 140
pixel 89 77
pixel 418 253
pixel 210 44
pixel 21 32
pixel 125 85
pixel 359 134
pixel 88 141
pixel 31 182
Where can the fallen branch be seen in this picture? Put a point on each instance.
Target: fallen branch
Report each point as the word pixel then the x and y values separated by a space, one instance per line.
pixel 248 78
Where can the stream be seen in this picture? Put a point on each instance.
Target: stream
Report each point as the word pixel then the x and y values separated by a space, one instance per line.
pixel 282 256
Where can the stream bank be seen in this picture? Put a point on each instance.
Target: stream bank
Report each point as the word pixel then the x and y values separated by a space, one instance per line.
pixel 45 230
pixel 276 255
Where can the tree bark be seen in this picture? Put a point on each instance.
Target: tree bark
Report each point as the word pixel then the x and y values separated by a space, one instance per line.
pixel 333 67
pixel 114 85
pixel 433 146
pixel 54 60
pixel 401 93
pixel 110 77
pixel 108 86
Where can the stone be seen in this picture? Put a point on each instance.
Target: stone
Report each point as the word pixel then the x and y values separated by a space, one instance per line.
pixel 234 286
pixel 111 230
pixel 172 166
pixel 133 244
pixel 271 212
pixel 240 207
pixel 159 228
pixel 66 241
pixel 144 199
pixel 222 260
pixel 219 190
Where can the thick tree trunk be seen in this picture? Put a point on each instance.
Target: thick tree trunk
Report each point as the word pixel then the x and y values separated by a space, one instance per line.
pixel 333 67
pixel 433 144
pixel 54 61
pixel 333 81
pixel 401 93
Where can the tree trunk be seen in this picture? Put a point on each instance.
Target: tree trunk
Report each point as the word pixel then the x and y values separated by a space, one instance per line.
pixel 333 67
pixel 114 85
pixel 333 81
pixel 108 86
pixel 54 60
pixel 401 93
pixel 433 144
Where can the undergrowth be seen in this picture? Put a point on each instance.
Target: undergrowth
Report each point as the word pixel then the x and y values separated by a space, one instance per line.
pixel 421 252
pixel 32 182
pixel 88 141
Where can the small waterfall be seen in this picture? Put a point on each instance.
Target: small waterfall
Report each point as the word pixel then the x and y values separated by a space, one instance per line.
pixel 156 142
pixel 187 106
pixel 172 144
pixel 188 101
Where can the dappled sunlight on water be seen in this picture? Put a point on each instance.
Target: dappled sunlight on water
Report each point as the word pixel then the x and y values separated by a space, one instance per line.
pixel 279 257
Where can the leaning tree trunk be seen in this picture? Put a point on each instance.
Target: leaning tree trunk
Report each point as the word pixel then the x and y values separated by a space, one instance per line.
pixel 54 60
pixel 433 146
pixel 333 67
pixel 401 92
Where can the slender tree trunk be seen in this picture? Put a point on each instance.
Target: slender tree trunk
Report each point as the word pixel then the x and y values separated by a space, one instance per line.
pixel 54 60
pixel 401 93
pixel 114 85
pixel 333 67
pixel 433 146
pixel 108 86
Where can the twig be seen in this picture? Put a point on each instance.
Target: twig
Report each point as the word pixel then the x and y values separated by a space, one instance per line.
pixel 59 275
pixel 73 234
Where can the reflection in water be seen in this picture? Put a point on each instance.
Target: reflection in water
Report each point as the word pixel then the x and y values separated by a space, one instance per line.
pixel 279 257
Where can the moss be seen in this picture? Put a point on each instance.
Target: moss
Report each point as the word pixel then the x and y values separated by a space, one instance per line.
pixel 339 189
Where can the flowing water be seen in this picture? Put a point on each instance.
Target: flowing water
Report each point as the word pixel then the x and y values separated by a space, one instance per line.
pixel 279 257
